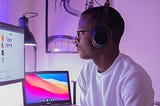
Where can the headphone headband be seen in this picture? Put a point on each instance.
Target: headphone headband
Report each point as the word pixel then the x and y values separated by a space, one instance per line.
pixel 101 35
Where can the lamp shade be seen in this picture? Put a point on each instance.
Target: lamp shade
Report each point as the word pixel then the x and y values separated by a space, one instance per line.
pixel 29 38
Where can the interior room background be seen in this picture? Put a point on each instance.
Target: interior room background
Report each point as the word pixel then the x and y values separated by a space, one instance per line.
pixel 140 40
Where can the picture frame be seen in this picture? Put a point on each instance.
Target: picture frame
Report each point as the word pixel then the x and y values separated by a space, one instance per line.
pixel 61 26
pixel 62 21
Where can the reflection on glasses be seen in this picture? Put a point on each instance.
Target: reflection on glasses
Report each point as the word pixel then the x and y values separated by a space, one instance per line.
pixel 80 33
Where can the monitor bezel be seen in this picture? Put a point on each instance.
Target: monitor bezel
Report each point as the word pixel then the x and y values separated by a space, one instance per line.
pixel 11 27
pixel 49 102
pixel 14 28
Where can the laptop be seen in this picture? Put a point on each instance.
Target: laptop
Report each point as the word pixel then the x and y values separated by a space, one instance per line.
pixel 47 88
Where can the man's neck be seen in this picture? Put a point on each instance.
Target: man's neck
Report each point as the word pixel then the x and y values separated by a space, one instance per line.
pixel 104 61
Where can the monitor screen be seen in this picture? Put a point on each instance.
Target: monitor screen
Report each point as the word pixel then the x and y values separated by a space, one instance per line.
pixel 11 94
pixel 11 53
pixel 47 87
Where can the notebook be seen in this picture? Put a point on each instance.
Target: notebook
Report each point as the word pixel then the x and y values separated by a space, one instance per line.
pixel 45 88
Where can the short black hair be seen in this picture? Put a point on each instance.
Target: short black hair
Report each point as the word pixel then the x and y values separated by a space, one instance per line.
pixel 114 20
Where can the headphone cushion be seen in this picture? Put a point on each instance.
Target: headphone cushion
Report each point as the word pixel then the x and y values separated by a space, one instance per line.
pixel 100 36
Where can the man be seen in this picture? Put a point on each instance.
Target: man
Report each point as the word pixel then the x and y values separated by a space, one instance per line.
pixel 111 78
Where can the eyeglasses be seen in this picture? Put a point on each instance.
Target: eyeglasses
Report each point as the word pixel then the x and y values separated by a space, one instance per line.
pixel 80 33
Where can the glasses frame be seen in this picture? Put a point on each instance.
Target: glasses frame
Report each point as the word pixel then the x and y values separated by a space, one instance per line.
pixel 82 32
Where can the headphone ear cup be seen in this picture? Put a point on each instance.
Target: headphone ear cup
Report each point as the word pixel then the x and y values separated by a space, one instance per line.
pixel 100 36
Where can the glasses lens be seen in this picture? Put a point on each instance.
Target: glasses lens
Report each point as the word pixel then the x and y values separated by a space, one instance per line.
pixel 80 33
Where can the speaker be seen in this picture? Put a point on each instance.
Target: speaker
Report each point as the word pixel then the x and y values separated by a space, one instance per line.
pixel 101 34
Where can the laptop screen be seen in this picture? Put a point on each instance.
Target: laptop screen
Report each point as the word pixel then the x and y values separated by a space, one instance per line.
pixel 47 87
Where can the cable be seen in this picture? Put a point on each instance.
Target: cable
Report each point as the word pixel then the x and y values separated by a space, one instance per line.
pixel 33 14
pixel 86 4
pixel 91 4
pixel 107 3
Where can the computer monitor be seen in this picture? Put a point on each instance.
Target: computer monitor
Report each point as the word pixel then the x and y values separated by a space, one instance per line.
pixel 47 88
pixel 11 53
pixel 12 94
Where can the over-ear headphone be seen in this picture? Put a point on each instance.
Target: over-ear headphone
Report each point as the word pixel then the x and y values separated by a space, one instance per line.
pixel 101 34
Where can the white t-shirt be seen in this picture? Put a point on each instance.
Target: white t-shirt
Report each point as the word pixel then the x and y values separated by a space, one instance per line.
pixel 125 83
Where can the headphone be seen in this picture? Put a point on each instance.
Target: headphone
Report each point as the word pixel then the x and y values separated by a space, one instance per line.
pixel 101 34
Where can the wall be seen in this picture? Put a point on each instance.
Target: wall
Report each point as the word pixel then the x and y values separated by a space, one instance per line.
pixel 140 40
pixel 141 37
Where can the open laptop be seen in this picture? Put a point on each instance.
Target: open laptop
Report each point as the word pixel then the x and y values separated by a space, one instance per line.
pixel 47 88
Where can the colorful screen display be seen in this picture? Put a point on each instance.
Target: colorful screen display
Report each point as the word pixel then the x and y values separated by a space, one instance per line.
pixel 46 87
